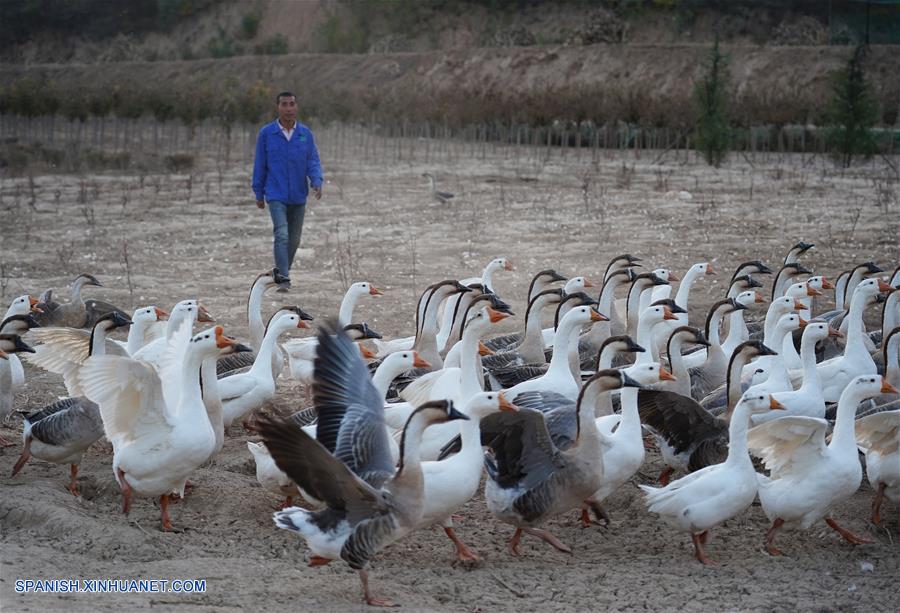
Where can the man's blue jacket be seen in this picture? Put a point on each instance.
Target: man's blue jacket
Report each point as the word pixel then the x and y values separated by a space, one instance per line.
pixel 282 169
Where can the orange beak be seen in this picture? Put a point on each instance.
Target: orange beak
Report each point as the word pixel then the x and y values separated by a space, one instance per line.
pixel 673 277
pixel 775 405
pixel 667 313
pixel 759 298
pixel 834 333
pixel 508 265
pixel 418 362
pixel 709 269
pixel 223 341
pixel 506 405
pixel 884 287
pixel 203 315
pixel 160 314
pixel 887 388
pixel 803 323
pixel 665 375
pixel 598 316
pixel 3 355
pixel 587 283
pixel 374 291
pixel 496 315
pixel 483 350
pixel 302 325
pixel 811 291
pixel 826 284
pixel 364 351
pixel 798 306
pixel 32 301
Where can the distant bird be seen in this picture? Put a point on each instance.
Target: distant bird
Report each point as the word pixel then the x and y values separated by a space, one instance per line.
pixel 442 197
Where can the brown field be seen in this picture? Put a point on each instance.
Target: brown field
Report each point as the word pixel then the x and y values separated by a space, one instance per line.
pixel 200 235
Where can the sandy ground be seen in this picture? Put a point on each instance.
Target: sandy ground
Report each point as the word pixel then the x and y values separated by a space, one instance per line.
pixel 202 236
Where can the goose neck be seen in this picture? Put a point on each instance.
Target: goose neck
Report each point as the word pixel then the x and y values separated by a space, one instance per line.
pixel 808 359
pixel 98 340
pixel 262 365
pixel 254 314
pixel 136 335
pixel 737 436
pixel 211 399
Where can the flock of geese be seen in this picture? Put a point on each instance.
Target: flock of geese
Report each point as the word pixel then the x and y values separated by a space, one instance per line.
pixel 558 418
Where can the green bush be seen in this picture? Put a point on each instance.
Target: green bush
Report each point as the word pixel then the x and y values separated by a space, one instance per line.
pixel 852 112
pixel 250 25
pixel 222 45
pixel 713 131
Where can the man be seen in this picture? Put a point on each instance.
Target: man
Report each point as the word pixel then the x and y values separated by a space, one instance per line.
pixel 286 165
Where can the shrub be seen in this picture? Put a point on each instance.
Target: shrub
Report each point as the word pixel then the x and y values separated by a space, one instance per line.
pixel 222 45
pixel 713 132
pixel 274 45
pixel 852 111
pixel 250 25
pixel 179 162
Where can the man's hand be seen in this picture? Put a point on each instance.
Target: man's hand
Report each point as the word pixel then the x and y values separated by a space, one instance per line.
pixel 318 192
pixel 260 204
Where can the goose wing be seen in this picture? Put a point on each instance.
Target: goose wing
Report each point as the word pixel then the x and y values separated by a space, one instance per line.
pixel 879 432
pixel 559 414
pixel 351 413
pixel 680 420
pixel 788 444
pixel 522 452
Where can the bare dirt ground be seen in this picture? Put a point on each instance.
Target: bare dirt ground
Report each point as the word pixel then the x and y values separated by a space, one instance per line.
pixel 200 235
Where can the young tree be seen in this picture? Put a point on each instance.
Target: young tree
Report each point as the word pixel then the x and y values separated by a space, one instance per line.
pixel 852 111
pixel 713 132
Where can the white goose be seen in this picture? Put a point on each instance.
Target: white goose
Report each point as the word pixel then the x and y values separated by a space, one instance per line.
pixel 155 446
pixel 737 327
pixel 807 477
pixel 703 499
pixel 270 477
pixel 837 373
pixel 450 306
pixel 779 379
pixel 245 392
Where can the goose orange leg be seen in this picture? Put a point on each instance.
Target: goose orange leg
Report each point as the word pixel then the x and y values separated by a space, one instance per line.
pixel 370 599
pixel 770 537
pixel 599 513
pixel 318 561
pixel 288 502
pixel 665 476
pixel 699 539
pixel 126 492
pixel 848 536
pixel 26 455
pixel 513 545
pixel 73 483
pixel 164 513
pixel 463 553
pixel 548 538
pixel 876 504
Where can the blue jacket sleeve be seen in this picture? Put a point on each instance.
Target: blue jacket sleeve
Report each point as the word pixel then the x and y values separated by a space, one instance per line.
pixel 313 167
pixel 259 167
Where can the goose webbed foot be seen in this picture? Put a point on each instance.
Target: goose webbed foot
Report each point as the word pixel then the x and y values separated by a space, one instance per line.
pixel 699 541
pixel 288 502
pixel 770 537
pixel 876 504
pixel 850 537
pixel 370 599
pixel 600 514
pixel 463 553
pixel 548 538
pixel 318 561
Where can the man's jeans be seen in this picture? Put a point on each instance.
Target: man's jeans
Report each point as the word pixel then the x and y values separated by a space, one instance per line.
pixel 287 225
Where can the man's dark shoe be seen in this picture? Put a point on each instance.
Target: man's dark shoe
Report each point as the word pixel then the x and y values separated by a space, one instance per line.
pixel 283 281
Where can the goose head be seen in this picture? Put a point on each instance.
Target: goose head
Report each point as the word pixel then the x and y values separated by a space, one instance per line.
pixel 481 319
pixel 258 450
pixel 803 289
pixel 211 341
pixel 784 304
pixel 819 282
pixel 666 275
pixel 673 307
pixel 285 320
pixel 620 262
pixel 790 322
pixel 360 332
pixel 297 311
pixel 655 314
pixel 500 264
pixel 757 403
pixel 796 251
pixel 547 276
pixel 871 288
pixel 148 314
pixel 402 361
pixel 751 267
pixel 364 288
pixel 750 297
pixel 750 350
pixel 265 279
pixel 577 284
pixel 23 305
pixel 649 373
pixel 867 386
pixel 815 331
pixel 582 315
pixel 619 344
pixel 485 403
pixel 111 321
pixel 689 334
pixel 86 279
pixel 703 268
pixel 13 343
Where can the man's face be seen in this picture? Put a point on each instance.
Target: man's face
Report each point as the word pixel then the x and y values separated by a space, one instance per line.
pixel 287 109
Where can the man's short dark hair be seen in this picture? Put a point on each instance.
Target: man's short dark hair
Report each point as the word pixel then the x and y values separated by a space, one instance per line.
pixel 284 95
